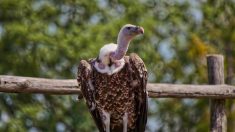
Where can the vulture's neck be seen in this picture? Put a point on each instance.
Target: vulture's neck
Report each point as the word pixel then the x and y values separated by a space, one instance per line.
pixel 123 43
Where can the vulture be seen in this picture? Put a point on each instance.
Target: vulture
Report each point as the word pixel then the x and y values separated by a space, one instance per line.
pixel 114 85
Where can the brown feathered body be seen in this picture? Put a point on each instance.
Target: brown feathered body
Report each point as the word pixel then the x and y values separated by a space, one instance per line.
pixel 117 94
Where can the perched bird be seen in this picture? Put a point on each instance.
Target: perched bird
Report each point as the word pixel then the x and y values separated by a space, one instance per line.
pixel 114 85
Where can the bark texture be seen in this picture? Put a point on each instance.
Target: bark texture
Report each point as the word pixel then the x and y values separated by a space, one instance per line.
pixel 215 65
pixel 16 84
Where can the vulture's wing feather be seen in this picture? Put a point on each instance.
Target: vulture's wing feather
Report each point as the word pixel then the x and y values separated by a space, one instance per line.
pixel 140 74
pixel 85 81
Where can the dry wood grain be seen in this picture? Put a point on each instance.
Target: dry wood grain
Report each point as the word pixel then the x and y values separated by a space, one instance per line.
pixel 16 84
pixel 218 118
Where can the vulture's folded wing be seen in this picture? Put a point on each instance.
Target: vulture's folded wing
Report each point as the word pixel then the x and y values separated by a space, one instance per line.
pixel 140 74
pixel 88 91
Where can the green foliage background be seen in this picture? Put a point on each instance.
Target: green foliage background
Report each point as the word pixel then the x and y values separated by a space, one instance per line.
pixel 48 38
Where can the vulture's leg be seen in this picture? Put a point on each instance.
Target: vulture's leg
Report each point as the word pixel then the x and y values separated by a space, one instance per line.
pixel 106 120
pixel 125 121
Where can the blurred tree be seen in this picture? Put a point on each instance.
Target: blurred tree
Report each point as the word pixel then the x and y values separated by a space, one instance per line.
pixel 220 24
pixel 48 39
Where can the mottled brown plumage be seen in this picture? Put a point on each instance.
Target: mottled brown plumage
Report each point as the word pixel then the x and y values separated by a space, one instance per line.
pixel 117 94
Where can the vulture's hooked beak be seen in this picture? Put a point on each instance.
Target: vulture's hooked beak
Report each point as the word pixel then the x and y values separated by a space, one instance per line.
pixel 139 30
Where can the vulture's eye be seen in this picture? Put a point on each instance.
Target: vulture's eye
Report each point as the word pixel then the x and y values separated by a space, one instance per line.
pixel 128 28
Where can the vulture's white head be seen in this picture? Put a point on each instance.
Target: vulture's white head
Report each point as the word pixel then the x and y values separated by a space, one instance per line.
pixel 129 31
pixel 111 57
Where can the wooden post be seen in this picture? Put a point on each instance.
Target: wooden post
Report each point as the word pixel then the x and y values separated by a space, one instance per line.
pixel 215 65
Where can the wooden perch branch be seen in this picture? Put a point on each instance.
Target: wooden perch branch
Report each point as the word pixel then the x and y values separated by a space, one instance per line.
pixel 190 91
pixel 14 84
